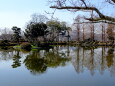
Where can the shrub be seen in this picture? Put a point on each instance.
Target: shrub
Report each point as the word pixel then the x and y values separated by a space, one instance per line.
pixel 4 42
pixel 26 46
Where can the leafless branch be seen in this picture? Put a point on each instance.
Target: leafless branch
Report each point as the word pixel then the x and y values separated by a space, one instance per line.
pixel 96 22
pixel 102 16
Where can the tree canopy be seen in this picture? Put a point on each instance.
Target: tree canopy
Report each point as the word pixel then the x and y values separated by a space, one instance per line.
pixel 35 30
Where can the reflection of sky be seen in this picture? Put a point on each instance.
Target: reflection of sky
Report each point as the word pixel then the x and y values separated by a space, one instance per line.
pixel 61 75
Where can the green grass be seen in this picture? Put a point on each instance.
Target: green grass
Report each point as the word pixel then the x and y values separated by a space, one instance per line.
pixel 17 46
pixel 33 47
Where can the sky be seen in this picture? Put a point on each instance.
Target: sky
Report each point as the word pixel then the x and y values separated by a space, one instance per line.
pixel 18 12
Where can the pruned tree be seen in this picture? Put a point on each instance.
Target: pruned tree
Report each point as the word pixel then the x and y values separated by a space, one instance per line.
pixel 17 33
pixel 86 5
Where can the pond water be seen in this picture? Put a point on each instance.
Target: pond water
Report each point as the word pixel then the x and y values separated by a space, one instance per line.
pixel 59 66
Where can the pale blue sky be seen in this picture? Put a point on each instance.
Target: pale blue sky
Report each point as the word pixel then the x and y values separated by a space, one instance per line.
pixel 18 12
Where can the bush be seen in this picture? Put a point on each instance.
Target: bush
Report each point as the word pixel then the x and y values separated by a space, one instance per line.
pixel 26 46
pixel 4 42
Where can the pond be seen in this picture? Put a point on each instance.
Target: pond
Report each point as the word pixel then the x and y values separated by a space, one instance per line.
pixel 59 66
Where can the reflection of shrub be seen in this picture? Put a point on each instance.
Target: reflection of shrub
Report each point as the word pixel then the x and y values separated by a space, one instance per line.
pixel 25 51
pixel 4 47
pixel 4 42
pixel 26 46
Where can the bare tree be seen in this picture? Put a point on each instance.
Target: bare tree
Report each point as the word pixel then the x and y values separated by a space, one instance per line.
pixel 103 32
pixel 110 32
pixel 6 34
pixel 85 5
pixel 83 31
pixel 78 27
pixel 111 1
pixel 35 18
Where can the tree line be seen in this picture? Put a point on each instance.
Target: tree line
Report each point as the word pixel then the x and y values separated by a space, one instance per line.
pixel 89 30
pixel 38 29
pixel 41 29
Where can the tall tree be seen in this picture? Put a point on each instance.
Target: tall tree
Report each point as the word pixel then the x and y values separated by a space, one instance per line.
pixel 110 32
pixel 78 28
pixel 83 32
pixel 103 32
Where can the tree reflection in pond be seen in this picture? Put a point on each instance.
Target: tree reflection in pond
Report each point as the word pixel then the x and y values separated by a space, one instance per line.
pixel 55 60
pixel 98 59
pixel 109 57
pixel 35 63
pixel 16 59
pixel 6 54
pixel 38 62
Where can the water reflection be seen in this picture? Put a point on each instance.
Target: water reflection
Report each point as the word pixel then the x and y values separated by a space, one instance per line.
pixel 38 62
pixel 99 59
pixel 6 54
pixel 110 57
pixel 35 63
pixel 16 60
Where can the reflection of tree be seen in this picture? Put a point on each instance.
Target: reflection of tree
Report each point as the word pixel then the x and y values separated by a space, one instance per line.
pixel 109 57
pixel 102 60
pixel 78 61
pixel 17 61
pixel 55 60
pixel 37 63
pixel 84 60
pixel 94 60
pixel 68 51
pixel 6 54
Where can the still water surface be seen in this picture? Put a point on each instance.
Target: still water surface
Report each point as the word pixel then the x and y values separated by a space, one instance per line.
pixel 60 66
